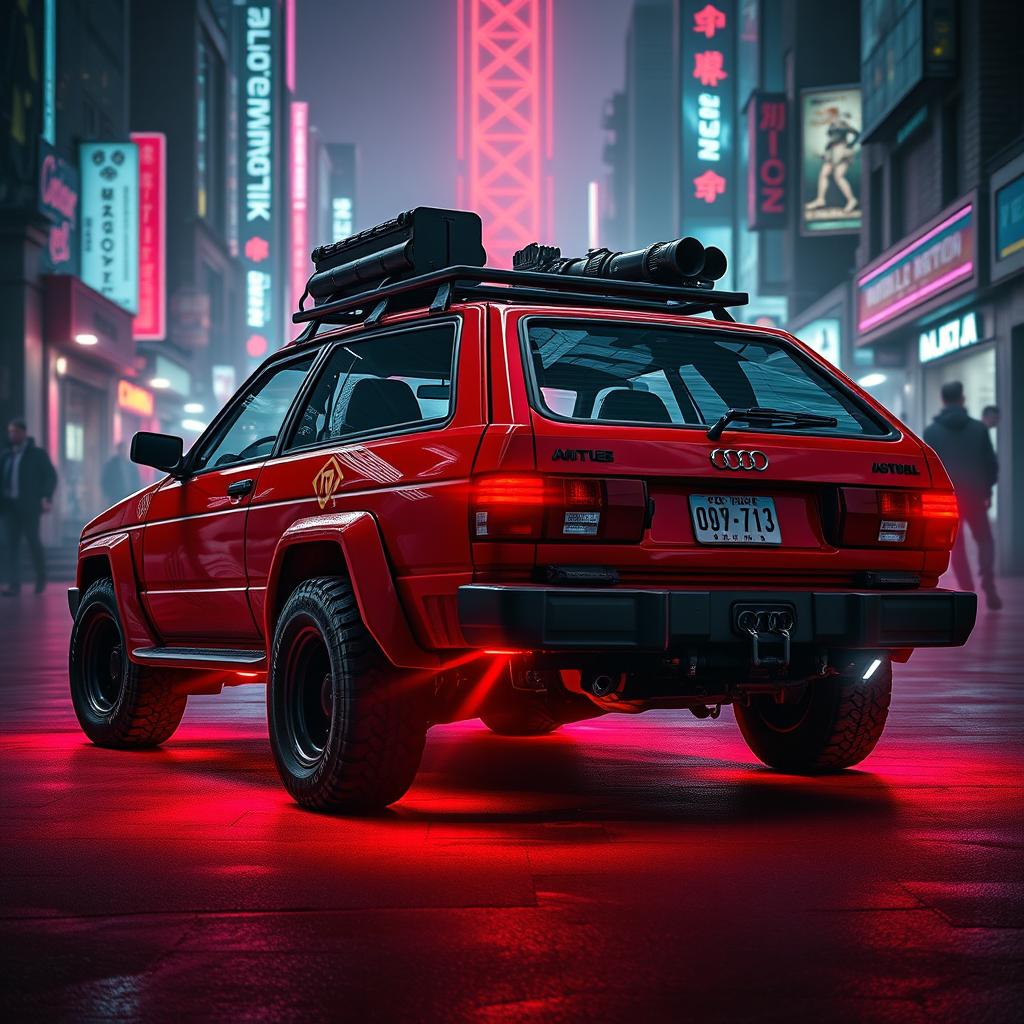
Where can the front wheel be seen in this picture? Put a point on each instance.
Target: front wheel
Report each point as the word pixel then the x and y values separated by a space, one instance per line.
pixel 346 727
pixel 835 725
pixel 118 703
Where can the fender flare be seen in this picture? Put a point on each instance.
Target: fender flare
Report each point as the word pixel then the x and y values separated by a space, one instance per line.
pixel 117 549
pixel 358 536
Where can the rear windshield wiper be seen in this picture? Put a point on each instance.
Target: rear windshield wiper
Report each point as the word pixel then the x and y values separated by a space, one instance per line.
pixel 782 417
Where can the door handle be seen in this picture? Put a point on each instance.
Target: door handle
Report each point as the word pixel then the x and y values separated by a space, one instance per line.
pixel 240 487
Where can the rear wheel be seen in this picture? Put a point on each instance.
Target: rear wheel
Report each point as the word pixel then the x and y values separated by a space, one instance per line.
pixel 118 703
pixel 346 734
pixel 835 725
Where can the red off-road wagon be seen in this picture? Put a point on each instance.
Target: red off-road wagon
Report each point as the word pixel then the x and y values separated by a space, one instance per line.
pixel 530 496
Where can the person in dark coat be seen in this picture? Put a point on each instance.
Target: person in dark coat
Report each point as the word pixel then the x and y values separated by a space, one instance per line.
pixel 966 451
pixel 27 483
pixel 119 478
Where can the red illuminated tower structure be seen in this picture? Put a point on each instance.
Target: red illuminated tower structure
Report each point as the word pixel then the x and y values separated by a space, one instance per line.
pixel 503 133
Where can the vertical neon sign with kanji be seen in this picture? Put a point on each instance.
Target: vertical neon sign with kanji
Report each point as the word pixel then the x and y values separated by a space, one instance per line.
pixel 150 323
pixel 708 73
pixel 767 126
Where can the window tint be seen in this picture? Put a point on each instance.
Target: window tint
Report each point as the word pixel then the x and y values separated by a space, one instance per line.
pixel 378 383
pixel 254 423
pixel 659 375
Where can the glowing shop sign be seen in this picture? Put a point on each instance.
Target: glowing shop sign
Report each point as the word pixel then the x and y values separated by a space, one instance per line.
pixel 948 337
pixel 258 30
pixel 708 68
pixel 150 323
pixel 134 399
pixel 939 259
pixel 110 220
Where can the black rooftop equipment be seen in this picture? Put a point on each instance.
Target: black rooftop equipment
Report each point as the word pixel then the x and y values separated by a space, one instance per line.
pixel 432 257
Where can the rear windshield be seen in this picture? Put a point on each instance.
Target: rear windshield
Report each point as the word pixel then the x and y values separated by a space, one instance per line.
pixel 598 371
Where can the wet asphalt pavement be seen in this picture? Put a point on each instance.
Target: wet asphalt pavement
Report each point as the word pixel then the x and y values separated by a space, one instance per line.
pixel 628 868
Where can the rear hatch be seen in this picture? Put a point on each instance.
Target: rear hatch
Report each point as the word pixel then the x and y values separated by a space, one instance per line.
pixel 629 483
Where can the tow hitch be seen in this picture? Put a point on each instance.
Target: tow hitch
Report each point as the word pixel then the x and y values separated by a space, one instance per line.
pixel 768 629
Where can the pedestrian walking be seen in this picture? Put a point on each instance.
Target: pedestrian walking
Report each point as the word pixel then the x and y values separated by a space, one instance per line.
pixel 27 483
pixel 120 476
pixel 966 451
pixel 990 416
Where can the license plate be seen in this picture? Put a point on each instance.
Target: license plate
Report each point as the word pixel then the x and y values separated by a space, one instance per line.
pixel 734 519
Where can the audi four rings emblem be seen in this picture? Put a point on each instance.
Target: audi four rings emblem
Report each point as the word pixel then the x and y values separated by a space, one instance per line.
pixel 730 458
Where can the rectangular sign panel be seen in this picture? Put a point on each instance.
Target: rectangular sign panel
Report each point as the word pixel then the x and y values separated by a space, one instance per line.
pixel 110 220
pixel 342 189
pixel 1010 219
pixel 59 193
pixel 830 161
pixel 150 323
pixel 937 260
pixel 767 126
pixel 300 265
pixel 259 48
pixel 708 74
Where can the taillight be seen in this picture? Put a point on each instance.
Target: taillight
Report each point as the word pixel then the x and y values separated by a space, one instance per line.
pixel 909 519
pixel 539 508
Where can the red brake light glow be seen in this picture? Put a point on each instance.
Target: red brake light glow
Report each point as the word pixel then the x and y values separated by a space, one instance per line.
pixel 538 508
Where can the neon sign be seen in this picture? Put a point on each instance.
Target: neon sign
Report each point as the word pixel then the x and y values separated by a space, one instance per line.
pixel 939 259
pixel 150 323
pixel 259 34
pixel 766 169
pixel 948 337
pixel 110 220
pixel 132 398
pixel 708 95
pixel 300 200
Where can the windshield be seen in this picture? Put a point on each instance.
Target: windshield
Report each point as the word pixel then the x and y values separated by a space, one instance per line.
pixel 597 371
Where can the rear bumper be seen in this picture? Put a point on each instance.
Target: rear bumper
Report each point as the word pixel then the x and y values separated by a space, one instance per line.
pixel 560 619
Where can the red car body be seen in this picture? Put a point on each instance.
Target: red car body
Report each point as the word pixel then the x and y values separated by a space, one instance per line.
pixel 201 576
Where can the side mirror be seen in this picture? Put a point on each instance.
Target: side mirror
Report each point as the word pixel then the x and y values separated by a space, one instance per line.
pixel 161 451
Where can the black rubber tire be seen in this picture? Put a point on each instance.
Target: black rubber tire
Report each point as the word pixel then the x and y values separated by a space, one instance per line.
pixel 528 717
pixel 119 704
pixel 362 751
pixel 835 725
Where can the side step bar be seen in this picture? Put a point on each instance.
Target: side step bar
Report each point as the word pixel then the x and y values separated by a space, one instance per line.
pixel 202 657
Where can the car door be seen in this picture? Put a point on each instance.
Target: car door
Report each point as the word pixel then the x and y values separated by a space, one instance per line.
pixel 390 424
pixel 193 550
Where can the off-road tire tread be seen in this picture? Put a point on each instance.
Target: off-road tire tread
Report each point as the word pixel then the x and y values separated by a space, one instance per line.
pixel 848 721
pixel 148 711
pixel 378 758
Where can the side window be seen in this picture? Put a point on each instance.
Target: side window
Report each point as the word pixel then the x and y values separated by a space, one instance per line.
pixel 372 385
pixel 252 428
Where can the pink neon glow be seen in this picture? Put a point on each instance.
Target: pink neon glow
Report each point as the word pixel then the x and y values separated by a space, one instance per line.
pixel 299 200
pixel 289 45
pixel 460 83
pixel 150 324
pixel 917 295
pixel 549 84
pixel 504 89
pixel 593 214
pixel 916 244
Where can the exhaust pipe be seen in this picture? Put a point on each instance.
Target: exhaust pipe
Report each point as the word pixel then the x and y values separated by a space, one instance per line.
pixel 601 684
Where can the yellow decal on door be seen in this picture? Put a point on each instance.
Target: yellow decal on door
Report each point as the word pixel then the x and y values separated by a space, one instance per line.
pixel 327 481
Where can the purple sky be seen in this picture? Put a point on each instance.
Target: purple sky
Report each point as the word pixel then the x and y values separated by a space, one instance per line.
pixel 381 73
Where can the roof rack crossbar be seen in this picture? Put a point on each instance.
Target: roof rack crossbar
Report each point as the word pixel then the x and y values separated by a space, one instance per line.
pixel 520 284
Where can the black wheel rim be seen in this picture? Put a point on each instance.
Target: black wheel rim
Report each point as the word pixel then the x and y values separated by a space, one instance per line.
pixel 308 704
pixel 102 663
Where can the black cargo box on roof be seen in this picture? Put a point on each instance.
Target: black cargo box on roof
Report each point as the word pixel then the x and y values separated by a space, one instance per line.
pixel 416 242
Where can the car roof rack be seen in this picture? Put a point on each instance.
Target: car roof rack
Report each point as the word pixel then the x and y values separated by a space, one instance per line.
pixel 439 289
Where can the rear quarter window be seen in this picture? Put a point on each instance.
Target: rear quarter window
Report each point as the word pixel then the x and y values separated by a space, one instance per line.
pixel 676 376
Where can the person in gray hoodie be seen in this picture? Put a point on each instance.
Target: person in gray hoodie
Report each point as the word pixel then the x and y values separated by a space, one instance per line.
pixel 964 445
